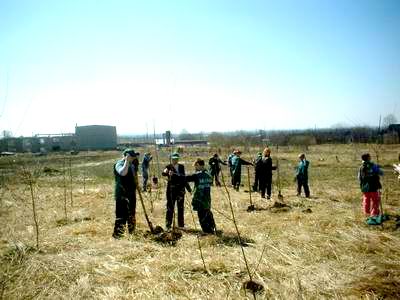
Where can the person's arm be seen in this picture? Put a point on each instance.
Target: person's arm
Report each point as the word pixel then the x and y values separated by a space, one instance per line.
pixel 376 169
pixel 165 172
pixel 222 162
pixel 245 162
pixel 123 167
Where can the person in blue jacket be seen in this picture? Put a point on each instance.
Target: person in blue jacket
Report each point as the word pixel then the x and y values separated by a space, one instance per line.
pixel 302 175
pixel 237 163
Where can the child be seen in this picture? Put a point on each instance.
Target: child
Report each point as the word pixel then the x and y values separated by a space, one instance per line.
pixel 368 175
pixel 201 201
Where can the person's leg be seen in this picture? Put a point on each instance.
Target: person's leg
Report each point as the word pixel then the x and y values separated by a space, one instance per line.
pixel 366 203
pixel 256 182
pixel 306 188
pixel 269 186
pixel 262 186
pixel 170 209
pixel 217 183
pixel 121 216
pixel 299 186
pixel 375 200
pixel 132 214
pixel 181 209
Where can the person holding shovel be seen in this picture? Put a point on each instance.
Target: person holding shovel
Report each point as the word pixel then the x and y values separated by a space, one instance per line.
pixel 125 192
pixel 201 201
pixel 368 176
pixel 237 163
pixel 175 190
pixel 302 175
pixel 265 173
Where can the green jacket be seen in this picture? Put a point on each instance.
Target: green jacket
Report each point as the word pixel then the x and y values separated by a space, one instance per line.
pixel 202 190
pixel 302 169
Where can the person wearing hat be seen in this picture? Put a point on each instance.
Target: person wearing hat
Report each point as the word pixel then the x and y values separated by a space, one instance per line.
pixel 302 175
pixel 265 173
pixel 215 168
pixel 125 171
pixel 175 190
pixel 145 169
pixel 201 201
pixel 237 163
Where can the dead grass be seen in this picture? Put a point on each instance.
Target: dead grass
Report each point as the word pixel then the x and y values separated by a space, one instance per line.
pixel 297 248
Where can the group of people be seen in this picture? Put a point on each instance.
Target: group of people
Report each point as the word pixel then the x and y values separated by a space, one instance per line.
pixel 126 183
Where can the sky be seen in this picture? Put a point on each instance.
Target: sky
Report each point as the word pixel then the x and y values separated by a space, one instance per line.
pixel 197 66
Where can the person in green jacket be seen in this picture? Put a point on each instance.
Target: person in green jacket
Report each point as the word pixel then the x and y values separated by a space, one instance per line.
pixel 201 201
pixel 302 175
pixel 237 163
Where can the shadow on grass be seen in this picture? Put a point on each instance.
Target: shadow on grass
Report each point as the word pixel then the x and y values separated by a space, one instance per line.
pixel 221 238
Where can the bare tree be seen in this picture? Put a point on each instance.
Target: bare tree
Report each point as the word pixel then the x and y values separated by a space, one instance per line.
pixel 389 119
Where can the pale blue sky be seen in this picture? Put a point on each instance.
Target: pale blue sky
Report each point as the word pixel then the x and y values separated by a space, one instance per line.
pixel 197 65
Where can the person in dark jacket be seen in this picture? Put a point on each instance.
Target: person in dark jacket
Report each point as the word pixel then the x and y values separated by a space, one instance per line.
pixel 257 165
pixel 175 190
pixel 125 170
pixel 265 173
pixel 302 175
pixel 145 169
pixel 237 163
pixel 215 168
pixel 368 176
pixel 201 201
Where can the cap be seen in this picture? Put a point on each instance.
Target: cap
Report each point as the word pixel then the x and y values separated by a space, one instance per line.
pixel 131 152
pixel 175 155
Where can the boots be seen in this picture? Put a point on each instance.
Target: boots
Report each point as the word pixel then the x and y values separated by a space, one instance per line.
pixel 131 224
pixel 119 229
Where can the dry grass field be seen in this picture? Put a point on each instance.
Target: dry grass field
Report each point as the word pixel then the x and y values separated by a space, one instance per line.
pixel 317 248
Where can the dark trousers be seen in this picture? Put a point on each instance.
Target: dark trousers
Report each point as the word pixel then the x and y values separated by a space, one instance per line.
pixel 303 182
pixel 266 184
pixel 236 178
pixel 125 210
pixel 206 220
pixel 256 184
pixel 173 197
pixel 215 175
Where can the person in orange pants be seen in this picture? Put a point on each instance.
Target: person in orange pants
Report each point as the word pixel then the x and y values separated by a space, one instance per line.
pixel 368 175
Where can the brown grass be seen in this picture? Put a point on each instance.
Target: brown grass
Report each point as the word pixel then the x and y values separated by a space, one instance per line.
pixel 316 248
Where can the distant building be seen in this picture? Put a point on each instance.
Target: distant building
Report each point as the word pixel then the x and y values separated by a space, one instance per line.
pixel 96 137
pixel 11 144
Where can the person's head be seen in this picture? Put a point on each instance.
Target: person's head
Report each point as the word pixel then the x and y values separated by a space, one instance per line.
pixel 237 152
pixel 267 152
pixel 175 158
pixel 148 154
pixel 199 164
pixel 216 155
pixel 302 156
pixel 366 157
pixel 130 152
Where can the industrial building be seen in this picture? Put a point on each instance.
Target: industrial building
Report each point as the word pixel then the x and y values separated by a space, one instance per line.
pixel 92 137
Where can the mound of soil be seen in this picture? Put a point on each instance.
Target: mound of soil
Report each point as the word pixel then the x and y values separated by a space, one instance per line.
pixel 279 207
pixel 253 286
pixel 168 237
